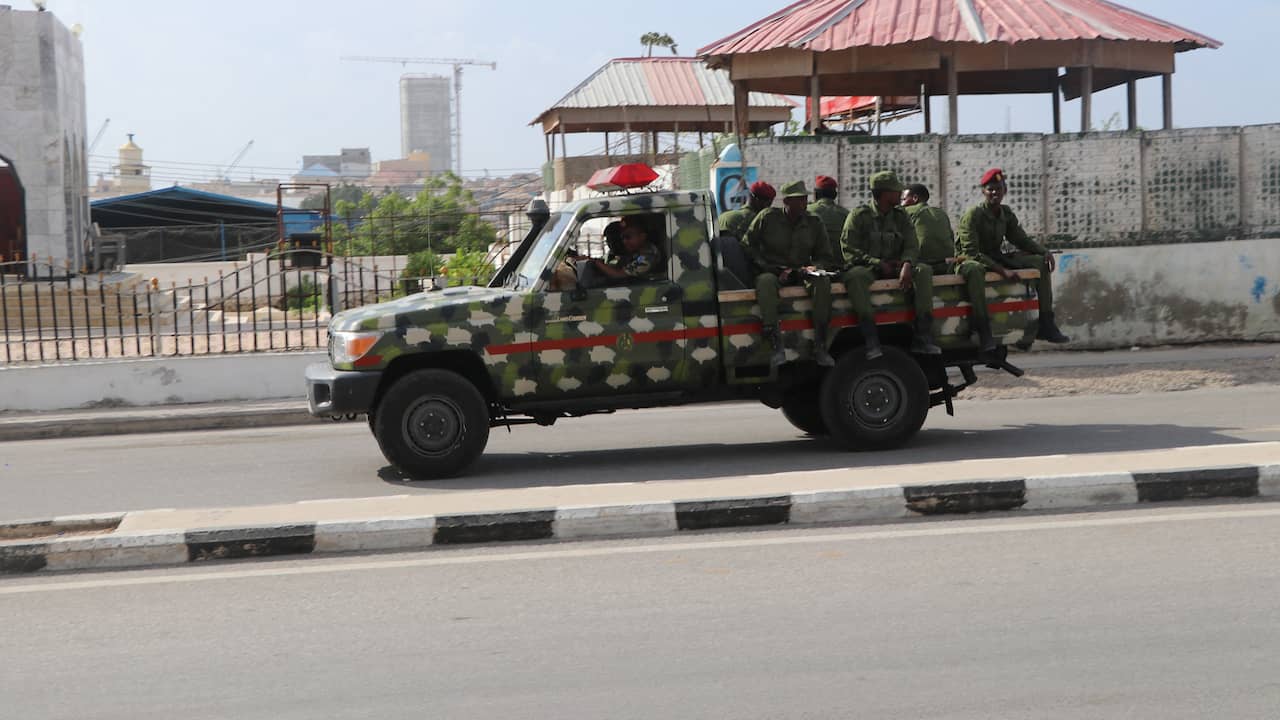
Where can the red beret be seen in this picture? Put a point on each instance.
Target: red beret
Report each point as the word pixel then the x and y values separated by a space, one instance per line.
pixel 763 189
pixel 992 175
pixel 824 182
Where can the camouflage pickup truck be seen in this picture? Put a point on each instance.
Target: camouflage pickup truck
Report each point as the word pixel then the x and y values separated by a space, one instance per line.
pixel 436 370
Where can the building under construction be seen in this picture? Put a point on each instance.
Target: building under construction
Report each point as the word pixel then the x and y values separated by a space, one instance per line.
pixel 425 117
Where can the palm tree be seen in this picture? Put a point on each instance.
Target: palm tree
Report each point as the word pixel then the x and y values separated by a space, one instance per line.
pixel 651 39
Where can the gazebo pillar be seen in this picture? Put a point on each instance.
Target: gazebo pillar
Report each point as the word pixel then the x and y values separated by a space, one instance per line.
pixel 815 100
pixel 551 148
pixel 1166 81
pixel 564 147
pixel 1086 98
pixel 953 97
pixel 627 129
pixel 924 107
pixel 741 111
pixel 1057 105
pixel 1131 88
pixel 606 145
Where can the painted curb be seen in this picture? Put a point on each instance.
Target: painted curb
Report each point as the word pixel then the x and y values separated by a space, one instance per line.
pixel 36 428
pixel 60 548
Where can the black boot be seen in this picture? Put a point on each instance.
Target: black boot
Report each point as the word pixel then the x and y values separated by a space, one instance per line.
pixel 820 353
pixel 773 336
pixel 922 343
pixel 870 338
pixel 1049 330
pixel 982 326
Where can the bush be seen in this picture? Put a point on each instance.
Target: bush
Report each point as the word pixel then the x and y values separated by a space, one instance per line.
pixel 306 295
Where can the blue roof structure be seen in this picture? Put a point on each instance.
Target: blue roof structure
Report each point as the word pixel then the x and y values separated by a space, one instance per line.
pixel 181 206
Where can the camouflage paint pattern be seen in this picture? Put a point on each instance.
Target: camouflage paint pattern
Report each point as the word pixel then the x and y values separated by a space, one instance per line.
pixel 662 334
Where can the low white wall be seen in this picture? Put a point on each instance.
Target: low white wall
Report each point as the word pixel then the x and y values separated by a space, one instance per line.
pixel 1180 293
pixel 155 381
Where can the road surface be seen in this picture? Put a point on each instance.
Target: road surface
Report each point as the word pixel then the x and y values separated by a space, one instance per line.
pixel 1162 613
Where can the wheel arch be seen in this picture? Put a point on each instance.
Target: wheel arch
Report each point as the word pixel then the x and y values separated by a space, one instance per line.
pixel 463 362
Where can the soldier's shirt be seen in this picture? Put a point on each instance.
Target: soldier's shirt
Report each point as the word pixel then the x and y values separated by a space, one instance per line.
pixel 982 233
pixel 933 232
pixel 871 237
pixel 640 264
pixel 774 242
pixel 832 217
pixel 736 222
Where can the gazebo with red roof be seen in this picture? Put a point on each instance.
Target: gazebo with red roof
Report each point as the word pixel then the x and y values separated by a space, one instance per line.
pixel 911 47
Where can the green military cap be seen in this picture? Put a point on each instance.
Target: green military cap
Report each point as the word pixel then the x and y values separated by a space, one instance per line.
pixel 795 189
pixel 886 180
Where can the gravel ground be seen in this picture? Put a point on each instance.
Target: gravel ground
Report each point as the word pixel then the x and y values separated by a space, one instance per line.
pixel 1124 379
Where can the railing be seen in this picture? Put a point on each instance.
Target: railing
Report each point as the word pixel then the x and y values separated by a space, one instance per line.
pixel 268 303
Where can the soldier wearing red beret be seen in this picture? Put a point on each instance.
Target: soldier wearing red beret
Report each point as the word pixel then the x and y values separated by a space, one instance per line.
pixel 979 241
pixel 824 205
pixel 735 222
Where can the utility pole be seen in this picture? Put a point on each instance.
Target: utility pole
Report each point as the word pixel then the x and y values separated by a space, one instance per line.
pixel 457 64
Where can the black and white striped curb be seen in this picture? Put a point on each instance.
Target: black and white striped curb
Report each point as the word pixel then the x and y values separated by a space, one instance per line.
pixel 88 542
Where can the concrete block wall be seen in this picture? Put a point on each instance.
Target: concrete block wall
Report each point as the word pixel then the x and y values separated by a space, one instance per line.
pixel 1260 177
pixel 968 157
pixel 914 159
pixel 1191 184
pixel 42 113
pixel 1094 187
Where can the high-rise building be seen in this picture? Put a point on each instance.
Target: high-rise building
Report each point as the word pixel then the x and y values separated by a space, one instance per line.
pixel 426 119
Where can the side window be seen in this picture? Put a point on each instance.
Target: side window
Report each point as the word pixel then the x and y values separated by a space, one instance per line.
pixel 616 249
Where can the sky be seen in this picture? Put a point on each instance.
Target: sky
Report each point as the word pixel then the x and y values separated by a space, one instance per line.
pixel 197 80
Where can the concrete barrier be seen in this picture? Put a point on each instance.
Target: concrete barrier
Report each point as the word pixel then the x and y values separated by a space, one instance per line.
pixel 1178 293
pixel 155 381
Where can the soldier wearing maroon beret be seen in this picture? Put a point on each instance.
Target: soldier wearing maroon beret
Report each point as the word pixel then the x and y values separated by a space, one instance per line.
pixel 980 238
pixel 824 205
pixel 735 222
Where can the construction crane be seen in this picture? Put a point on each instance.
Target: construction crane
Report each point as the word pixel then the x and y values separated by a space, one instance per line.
pixel 225 175
pixel 457 90
pixel 98 137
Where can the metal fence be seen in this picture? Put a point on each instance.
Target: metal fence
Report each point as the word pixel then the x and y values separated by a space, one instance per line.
pixel 281 301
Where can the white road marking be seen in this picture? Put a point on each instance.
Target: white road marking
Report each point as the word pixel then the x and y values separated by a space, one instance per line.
pixel 437 558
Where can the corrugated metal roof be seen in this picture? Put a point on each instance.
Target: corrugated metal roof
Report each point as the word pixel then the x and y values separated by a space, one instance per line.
pixel 659 82
pixel 825 25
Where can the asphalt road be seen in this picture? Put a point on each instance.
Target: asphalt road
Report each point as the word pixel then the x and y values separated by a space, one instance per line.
pixel 1162 613
pixel 245 467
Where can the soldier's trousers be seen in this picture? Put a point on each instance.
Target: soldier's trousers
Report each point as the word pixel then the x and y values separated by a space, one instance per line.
pixel 858 279
pixel 767 285
pixel 975 274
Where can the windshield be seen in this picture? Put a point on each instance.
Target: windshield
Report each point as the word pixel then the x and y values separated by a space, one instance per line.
pixel 531 269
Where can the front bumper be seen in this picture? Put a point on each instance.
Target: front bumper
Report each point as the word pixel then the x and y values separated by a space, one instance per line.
pixel 340 392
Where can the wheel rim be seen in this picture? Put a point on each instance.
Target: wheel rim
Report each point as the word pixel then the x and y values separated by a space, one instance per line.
pixel 434 426
pixel 877 399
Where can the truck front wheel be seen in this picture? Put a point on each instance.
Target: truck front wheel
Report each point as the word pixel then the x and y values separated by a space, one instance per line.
pixel 875 404
pixel 431 424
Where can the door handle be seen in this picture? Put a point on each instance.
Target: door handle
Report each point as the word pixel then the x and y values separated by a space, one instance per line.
pixel 654 309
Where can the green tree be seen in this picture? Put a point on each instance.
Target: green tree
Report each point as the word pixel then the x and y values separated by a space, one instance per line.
pixel 650 40
pixel 422 264
pixel 440 218
pixel 469 267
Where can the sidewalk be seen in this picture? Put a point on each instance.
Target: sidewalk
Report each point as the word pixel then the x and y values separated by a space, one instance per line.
pixel 850 496
pixel 212 416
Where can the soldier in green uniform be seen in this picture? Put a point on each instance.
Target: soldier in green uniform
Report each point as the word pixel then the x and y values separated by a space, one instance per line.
pixel 789 246
pixel 879 242
pixel 735 222
pixel 831 214
pixel 937 240
pixel 979 242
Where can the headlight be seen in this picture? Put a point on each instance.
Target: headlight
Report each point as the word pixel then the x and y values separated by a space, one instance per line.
pixel 347 347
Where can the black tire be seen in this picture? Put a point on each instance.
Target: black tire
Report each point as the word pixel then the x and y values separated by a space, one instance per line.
pixel 802 408
pixel 431 424
pixel 875 404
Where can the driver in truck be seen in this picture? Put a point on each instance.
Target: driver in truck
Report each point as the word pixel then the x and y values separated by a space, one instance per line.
pixel 639 258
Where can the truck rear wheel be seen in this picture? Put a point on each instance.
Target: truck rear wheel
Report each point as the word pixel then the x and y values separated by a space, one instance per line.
pixel 431 424
pixel 875 404
pixel 802 408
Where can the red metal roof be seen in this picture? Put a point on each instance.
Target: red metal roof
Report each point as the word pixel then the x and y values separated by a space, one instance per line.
pixel 863 105
pixel 667 81
pixel 825 25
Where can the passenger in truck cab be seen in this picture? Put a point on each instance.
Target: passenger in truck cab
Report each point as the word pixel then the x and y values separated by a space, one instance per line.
pixel 639 258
